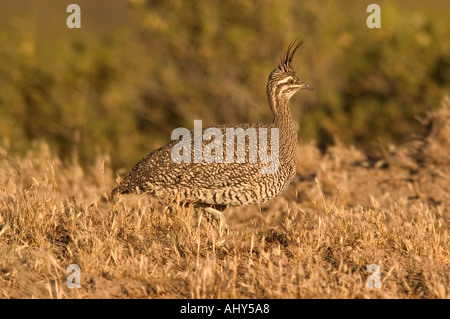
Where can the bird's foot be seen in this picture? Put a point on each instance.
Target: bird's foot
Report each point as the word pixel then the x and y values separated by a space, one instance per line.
pixel 219 216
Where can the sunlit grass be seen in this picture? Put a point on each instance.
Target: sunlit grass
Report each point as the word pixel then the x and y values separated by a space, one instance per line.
pixel 318 246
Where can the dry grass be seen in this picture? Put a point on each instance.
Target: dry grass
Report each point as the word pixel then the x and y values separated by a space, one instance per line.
pixel 343 212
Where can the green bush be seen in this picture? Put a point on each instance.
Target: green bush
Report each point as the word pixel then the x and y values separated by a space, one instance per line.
pixel 123 93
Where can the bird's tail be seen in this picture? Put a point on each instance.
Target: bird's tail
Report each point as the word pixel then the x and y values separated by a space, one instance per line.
pixel 115 192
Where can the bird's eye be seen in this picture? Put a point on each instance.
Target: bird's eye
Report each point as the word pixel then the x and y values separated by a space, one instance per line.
pixel 291 81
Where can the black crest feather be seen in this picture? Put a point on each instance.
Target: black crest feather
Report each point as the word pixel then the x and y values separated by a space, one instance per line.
pixel 286 59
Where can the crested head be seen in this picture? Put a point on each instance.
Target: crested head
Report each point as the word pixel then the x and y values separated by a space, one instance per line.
pixel 286 59
pixel 284 81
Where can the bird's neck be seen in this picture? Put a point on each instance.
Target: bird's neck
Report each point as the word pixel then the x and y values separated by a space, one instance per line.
pixel 287 129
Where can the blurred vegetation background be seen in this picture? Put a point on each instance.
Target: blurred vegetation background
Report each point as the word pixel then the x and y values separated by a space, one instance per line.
pixel 138 69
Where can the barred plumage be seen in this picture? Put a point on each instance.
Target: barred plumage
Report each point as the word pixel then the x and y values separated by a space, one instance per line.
pixel 235 184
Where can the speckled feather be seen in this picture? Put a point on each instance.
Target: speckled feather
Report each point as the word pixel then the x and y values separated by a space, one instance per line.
pixel 235 184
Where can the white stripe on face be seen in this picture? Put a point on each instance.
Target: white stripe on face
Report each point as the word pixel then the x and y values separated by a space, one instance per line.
pixel 285 80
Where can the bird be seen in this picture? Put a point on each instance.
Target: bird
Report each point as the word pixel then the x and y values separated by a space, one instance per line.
pixel 214 186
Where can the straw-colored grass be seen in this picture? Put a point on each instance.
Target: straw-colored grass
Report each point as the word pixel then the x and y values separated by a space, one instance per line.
pixel 343 213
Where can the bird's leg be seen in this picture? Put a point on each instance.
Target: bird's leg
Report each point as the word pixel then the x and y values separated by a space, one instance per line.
pixel 217 214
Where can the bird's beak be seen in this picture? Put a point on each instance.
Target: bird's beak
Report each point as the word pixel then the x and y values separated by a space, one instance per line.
pixel 304 86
